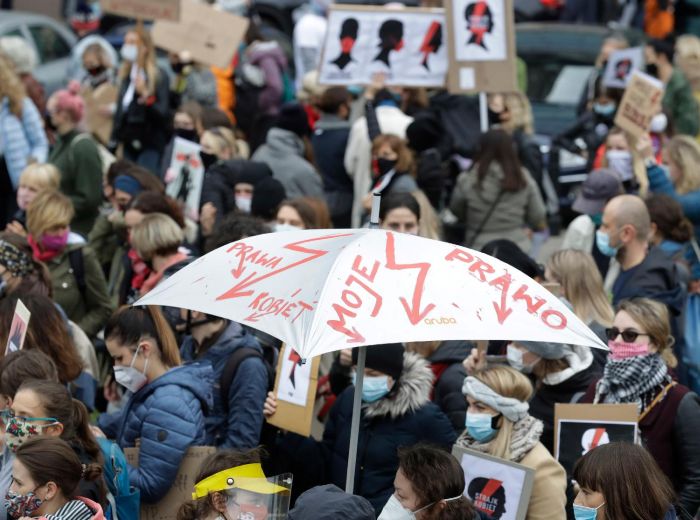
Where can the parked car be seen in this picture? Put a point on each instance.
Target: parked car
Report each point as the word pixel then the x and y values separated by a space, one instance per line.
pixel 52 41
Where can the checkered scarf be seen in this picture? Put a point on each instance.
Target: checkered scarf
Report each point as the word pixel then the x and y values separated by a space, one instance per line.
pixel 628 380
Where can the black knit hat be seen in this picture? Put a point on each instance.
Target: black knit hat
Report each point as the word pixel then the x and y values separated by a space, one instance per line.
pixel 424 132
pixel 387 359
pixel 509 252
pixel 267 196
pixel 292 117
pixel 253 172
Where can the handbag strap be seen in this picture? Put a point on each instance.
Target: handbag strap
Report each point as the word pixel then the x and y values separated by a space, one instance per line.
pixel 696 247
pixel 485 219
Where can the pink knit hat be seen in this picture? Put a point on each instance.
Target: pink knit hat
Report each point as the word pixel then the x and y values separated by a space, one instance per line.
pixel 69 99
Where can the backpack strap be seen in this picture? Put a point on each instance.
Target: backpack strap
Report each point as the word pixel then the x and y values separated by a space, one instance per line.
pixel 77 264
pixel 239 355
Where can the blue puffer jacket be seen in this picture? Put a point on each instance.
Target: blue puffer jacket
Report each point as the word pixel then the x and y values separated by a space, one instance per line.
pixel 167 415
pixel 240 427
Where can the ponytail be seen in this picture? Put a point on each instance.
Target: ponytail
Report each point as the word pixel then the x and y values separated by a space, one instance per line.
pixel 91 472
pixel 81 423
pixel 170 354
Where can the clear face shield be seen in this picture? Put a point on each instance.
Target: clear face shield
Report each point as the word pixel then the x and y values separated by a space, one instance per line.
pixel 250 495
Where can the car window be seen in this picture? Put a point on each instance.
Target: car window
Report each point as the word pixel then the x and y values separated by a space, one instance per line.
pixel 49 43
pixel 14 32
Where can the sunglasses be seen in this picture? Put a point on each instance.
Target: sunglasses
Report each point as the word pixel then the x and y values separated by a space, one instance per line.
pixel 628 335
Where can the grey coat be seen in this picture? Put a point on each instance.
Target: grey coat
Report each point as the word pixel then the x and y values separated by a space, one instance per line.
pixel 514 211
pixel 283 152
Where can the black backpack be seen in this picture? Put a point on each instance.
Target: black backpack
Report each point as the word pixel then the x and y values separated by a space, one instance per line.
pixel 268 357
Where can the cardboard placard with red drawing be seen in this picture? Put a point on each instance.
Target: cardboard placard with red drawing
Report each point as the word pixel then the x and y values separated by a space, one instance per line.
pixel 143 9
pixel 640 103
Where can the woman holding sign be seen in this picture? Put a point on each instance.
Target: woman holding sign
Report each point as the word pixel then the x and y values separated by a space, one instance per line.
pixel 637 371
pixel 498 424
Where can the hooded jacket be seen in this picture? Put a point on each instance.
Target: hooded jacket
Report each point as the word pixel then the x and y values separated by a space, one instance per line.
pixel 272 61
pixel 283 152
pixel 237 423
pixel 446 363
pixel 403 418
pixel 330 502
pixel 167 415
pixel 512 212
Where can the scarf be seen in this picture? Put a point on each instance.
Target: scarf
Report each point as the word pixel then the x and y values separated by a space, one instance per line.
pixel 155 277
pixel 40 254
pixel 139 268
pixel 526 434
pixel 631 380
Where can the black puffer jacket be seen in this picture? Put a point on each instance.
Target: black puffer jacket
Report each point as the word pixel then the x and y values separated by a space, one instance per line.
pixel 446 363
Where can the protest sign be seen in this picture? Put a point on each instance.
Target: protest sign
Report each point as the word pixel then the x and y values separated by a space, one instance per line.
pixel 18 328
pixel 640 103
pixel 406 45
pixel 579 428
pixel 498 488
pixel 183 485
pixel 481 46
pixel 620 66
pixel 185 176
pixel 295 388
pixel 211 36
pixel 143 9
pixel 98 123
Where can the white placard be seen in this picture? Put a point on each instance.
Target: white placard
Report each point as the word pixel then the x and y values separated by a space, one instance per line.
pixel 480 30
pixel 294 379
pixel 185 176
pixel 620 66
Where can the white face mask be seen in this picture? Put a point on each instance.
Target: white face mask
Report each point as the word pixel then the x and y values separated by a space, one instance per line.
pixel 244 203
pixel 659 123
pixel 393 510
pixel 620 161
pixel 129 52
pixel 515 360
pixel 131 378
pixel 286 227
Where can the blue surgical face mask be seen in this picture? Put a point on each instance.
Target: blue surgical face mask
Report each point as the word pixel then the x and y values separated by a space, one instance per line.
pixel 602 240
pixel 605 110
pixel 586 513
pixel 373 387
pixel 480 426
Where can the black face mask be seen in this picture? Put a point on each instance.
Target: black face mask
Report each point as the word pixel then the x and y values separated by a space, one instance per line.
pixel 186 325
pixel 190 135
pixel 96 71
pixel 207 159
pixel 49 123
pixel 652 69
pixel 494 118
pixel 385 165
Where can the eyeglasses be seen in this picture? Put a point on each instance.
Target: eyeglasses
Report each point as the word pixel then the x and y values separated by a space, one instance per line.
pixel 628 335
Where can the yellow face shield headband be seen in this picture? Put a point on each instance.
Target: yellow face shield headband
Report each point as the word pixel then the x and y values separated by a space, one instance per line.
pixel 249 477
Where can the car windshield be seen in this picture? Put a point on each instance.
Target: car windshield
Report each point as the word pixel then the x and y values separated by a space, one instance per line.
pixel 553 80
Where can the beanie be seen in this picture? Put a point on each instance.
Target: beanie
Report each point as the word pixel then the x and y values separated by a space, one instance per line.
pixel 424 132
pixel 509 252
pixel 267 196
pixel 293 117
pixel 252 173
pixel 387 359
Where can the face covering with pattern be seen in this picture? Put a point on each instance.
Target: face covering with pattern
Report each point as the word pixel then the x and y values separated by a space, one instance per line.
pixel 18 431
pixel 19 506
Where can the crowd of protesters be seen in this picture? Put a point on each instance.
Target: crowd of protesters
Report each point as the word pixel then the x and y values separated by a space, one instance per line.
pixel 90 222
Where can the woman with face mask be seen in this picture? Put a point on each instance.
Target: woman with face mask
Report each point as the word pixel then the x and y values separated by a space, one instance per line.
pixel 429 484
pixel 83 297
pixel 620 158
pixel 295 215
pixel 45 478
pixel 142 106
pixel 167 401
pixel 638 371
pixel 621 481
pixel 46 409
pixel 99 91
pixel 396 411
pixel 498 424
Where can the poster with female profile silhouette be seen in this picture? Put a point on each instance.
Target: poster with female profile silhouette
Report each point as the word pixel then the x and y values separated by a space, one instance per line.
pixel 407 45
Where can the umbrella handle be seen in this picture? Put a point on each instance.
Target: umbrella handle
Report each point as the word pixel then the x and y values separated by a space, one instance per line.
pixel 355 423
pixel 374 215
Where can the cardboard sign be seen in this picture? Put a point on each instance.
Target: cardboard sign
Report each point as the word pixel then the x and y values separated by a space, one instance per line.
pixel 18 328
pixel 295 389
pixel 481 46
pixel 211 36
pixel 407 45
pixel 579 428
pixel 143 9
pixel 98 124
pixel 182 487
pixel 498 488
pixel 620 66
pixel 185 176
pixel 640 103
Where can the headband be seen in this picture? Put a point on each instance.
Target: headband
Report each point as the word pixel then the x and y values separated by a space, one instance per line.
pixel 513 409
pixel 15 261
pixel 128 184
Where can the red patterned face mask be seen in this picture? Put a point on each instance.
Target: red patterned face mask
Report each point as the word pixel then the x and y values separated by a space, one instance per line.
pixel 623 350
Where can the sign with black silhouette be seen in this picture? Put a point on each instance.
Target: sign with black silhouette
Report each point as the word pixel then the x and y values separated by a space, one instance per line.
pixel 620 66
pixel 295 389
pixel 18 328
pixel 579 428
pixel 185 176
pixel 498 488
pixel 481 46
pixel 407 45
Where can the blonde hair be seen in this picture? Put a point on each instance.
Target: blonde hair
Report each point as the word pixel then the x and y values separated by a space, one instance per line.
pixel 582 285
pixel 146 60
pixel 684 151
pixel 654 318
pixel 20 52
pixel 156 234
pixel 520 110
pixel 429 224
pixel 41 176
pixel 507 382
pixel 48 210
pixel 688 58
pixel 225 139
pixel 11 86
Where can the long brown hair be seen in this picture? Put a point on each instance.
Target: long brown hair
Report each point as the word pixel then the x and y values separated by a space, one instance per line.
pixel 404 164
pixel 146 60
pixel 11 86
pixel 633 485
pixel 50 459
pixel 497 146
pixel 23 365
pixel 129 325
pixel 48 333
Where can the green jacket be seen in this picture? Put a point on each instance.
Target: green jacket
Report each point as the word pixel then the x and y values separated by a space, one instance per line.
pixel 679 102
pixel 92 312
pixel 81 177
pixel 105 239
